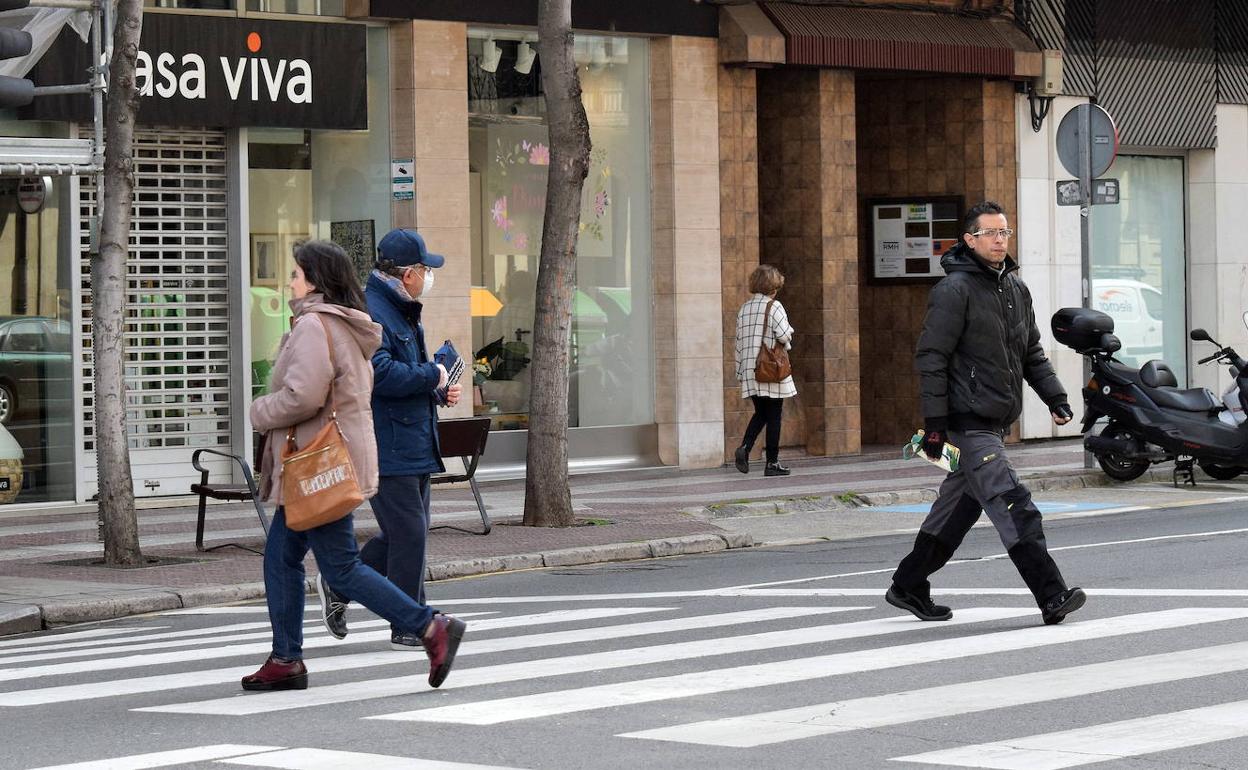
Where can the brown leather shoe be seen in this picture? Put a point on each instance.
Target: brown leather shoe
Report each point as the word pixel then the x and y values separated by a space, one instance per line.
pixel 275 675
pixel 441 640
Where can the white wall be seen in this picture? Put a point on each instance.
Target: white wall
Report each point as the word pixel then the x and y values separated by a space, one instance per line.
pixel 1047 249
pixel 1217 236
pixel 1217 246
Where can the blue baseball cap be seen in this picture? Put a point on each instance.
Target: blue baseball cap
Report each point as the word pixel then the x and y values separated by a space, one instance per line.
pixel 406 248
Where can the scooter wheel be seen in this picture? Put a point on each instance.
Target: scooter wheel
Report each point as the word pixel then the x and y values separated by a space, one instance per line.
pixel 1120 468
pixel 1221 472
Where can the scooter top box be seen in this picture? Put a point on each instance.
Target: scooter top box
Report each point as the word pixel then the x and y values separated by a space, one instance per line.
pixel 1082 328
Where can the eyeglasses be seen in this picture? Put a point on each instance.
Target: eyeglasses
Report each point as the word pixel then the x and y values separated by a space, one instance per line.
pixel 423 270
pixel 993 232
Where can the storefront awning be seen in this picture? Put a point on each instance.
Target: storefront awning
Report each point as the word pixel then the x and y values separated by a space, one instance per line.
pixel 916 41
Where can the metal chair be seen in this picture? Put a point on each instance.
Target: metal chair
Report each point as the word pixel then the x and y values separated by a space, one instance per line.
pixel 235 492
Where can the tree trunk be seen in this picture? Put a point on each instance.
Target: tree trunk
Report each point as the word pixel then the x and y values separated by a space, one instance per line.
pixel 108 295
pixel 547 500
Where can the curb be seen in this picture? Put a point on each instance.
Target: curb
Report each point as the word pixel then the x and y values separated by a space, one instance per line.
pixel 1040 482
pixel 24 618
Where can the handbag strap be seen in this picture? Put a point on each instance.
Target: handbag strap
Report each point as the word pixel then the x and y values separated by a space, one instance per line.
pixel 333 397
pixel 766 317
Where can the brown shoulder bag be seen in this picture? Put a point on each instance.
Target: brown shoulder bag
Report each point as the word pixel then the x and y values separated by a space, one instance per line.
pixel 772 364
pixel 318 482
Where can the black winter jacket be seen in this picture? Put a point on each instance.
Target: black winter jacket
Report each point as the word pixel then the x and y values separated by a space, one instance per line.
pixel 979 342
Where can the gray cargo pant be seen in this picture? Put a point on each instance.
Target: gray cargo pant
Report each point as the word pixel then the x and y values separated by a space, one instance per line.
pixel 984 481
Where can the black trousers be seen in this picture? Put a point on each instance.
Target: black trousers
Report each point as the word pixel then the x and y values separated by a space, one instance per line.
pixel 767 412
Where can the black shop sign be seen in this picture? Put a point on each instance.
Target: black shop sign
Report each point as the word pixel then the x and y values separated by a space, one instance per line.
pixel 213 71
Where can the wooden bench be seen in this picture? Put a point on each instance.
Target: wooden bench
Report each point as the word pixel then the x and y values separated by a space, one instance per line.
pixel 235 492
pixel 464 438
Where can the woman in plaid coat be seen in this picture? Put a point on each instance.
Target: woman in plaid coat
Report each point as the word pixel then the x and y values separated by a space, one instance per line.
pixel 755 323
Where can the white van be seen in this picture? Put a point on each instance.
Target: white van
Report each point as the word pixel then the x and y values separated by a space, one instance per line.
pixel 1136 309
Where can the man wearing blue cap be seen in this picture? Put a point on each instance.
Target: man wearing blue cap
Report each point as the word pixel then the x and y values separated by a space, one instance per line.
pixel 406 395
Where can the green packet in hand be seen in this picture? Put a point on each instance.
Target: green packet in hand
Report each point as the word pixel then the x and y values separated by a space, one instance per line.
pixel 948 457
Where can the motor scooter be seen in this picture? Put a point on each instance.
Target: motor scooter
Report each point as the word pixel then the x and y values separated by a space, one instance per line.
pixel 1150 419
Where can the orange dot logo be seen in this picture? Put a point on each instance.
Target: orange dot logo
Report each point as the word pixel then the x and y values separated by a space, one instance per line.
pixel 253 42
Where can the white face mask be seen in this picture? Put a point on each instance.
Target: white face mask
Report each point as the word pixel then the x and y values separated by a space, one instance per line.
pixel 428 285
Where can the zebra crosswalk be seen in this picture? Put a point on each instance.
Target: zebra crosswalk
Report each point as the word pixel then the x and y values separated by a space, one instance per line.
pixel 698 673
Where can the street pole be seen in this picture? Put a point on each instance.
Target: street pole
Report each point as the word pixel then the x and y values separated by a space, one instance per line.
pixel 1085 230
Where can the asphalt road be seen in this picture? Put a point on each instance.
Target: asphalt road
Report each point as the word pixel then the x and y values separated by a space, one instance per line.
pixel 771 657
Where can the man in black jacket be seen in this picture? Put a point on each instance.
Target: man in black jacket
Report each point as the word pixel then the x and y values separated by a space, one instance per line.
pixel 979 342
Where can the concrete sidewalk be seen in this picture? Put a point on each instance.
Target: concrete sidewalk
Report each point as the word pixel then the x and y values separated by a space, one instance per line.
pixel 47 577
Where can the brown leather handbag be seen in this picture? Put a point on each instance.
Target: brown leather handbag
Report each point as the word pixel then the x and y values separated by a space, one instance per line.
pixel 319 485
pixel 772 364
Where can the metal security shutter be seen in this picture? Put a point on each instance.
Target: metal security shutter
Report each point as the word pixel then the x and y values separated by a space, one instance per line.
pixel 177 314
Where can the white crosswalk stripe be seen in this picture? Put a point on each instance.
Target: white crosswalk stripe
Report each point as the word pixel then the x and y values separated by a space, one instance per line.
pixel 13 646
pixel 269 756
pixel 165 758
pixel 77 692
pixel 745 645
pixel 490 712
pixel 561 666
pixel 324 759
pixel 262 648
pixel 953 700
pixel 1101 743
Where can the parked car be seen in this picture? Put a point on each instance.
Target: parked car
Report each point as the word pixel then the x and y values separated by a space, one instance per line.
pixel 1136 309
pixel 35 368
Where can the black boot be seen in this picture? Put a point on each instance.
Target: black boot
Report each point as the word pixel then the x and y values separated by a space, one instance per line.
pixel 741 458
pixel 1044 580
pixel 911 590
pixel 774 468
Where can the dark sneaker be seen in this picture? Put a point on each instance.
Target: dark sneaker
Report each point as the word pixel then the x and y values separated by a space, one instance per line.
pixel 919 606
pixel 404 642
pixel 741 459
pixel 776 469
pixel 441 639
pixel 333 609
pixel 278 675
pixel 1056 609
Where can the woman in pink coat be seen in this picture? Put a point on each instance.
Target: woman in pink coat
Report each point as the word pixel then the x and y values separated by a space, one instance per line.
pixel 328 310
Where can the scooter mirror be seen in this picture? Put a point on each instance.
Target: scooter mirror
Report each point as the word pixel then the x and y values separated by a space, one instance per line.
pixel 1200 335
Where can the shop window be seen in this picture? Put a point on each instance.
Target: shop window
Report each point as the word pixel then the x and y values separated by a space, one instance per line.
pixel 333 185
pixel 36 372
pixel 1139 261
pixel 307 7
pixel 509 155
pixel 199 5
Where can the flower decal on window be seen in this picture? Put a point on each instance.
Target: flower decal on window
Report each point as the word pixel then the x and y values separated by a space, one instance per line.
pixel 499 212
pixel 539 155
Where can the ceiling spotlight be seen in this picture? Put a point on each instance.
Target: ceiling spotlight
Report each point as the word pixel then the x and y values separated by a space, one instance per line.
pixel 490 56
pixel 524 57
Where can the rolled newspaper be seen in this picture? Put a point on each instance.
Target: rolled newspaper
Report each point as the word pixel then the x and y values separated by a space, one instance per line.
pixel 948 459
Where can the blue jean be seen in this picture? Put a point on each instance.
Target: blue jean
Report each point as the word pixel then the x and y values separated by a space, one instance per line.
pixel 338 559
pixel 398 551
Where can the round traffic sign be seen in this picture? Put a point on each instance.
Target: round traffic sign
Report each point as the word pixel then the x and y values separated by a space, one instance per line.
pixel 1103 142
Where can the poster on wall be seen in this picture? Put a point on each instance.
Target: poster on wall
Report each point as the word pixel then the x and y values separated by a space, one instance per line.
pixel 908 236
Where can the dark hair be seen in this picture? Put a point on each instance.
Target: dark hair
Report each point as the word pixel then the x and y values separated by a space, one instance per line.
pixel 327 267
pixel 970 223
pixel 388 267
